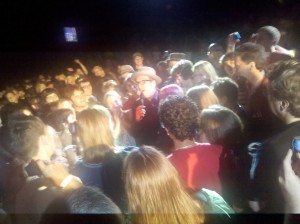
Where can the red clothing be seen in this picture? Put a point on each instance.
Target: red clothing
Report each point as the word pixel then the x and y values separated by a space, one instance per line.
pixel 198 166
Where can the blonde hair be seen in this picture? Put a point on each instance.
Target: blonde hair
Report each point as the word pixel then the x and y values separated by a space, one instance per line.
pixel 203 96
pixel 154 191
pixel 205 68
pixel 95 133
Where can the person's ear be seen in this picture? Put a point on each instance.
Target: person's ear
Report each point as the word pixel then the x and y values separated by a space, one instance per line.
pixel 284 104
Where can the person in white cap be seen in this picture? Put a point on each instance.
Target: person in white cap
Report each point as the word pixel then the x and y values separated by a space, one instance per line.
pixel 145 120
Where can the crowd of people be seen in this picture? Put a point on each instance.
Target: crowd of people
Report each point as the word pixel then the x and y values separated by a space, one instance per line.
pixel 170 143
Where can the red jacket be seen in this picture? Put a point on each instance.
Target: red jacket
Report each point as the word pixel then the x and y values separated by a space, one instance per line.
pixel 198 166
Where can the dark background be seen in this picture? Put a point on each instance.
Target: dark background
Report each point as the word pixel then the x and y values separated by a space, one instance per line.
pixel 32 31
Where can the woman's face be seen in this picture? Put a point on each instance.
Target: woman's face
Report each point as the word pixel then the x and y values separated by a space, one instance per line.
pixel 229 67
pixel 113 102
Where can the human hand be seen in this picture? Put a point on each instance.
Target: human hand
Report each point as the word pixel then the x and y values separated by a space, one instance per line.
pixel 140 113
pixel 290 184
pixel 77 61
pixel 232 40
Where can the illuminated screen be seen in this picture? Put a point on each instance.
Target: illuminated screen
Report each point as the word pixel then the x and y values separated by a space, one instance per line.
pixel 70 34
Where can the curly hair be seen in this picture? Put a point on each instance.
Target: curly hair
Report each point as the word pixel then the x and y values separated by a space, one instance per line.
pixel 180 116
pixel 184 68
pixel 285 84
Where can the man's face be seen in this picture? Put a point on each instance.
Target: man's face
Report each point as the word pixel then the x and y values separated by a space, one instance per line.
pixel 98 71
pixel 51 98
pixel 138 60
pixel 87 88
pixel 11 97
pixel 79 99
pixel 113 102
pixel 274 105
pixel 242 68
pixel 146 86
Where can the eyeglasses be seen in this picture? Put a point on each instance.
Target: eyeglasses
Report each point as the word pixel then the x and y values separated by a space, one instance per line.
pixel 142 82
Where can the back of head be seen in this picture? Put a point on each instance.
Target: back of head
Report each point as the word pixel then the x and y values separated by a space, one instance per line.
pixel 285 84
pixel 203 96
pixel 221 125
pixel 22 136
pixel 180 116
pixel 272 32
pixel 154 190
pixel 184 68
pixel 95 133
pixel 90 200
pixel 250 52
pixel 226 87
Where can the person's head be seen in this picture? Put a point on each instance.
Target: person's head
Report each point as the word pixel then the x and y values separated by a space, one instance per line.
pixel 147 81
pixel 76 95
pixel 85 85
pixel 10 109
pixel 59 119
pixel 64 104
pixel 109 85
pixel 98 71
pixel 204 72
pixel 228 64
pixel 221 126
pixel 138 59
pixel 284 89
pixel 49 96
pixel 27 137
pixel 11 96
pixel 60 77
pixel 268 36
pixel 90 200
pixel 226 89
pixel 203 96
pixel 173 58
pixel 112 100
pixel 249 59
pixel 179 116
pixel 215 51
pixel 125 70
pixel 40 86
pixel 95 133
pixel 154 190
pixel 170 90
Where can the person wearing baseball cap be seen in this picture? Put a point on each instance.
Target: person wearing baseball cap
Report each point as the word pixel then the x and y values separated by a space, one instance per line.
pixel 145 122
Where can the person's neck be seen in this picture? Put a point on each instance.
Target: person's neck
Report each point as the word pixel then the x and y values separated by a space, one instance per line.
pixel 187 143
pixel 79 109
pixel 290 119
pixel 256 79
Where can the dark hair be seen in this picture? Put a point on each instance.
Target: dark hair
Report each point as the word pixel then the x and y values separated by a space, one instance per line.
pixel 58 118
pixel 69 91
pixel 226 87
pixel 180 116
pixel 22 136
pixel 10 109
pixel 221 125
pixel 90 200
pixel 250 52
pixel 184 68
pixel 46 92
pixel 272 32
